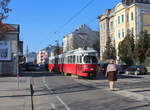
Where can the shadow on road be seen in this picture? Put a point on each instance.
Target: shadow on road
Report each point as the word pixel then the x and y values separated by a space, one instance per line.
pixel 37 74
pixel 119 76
pixel 128 77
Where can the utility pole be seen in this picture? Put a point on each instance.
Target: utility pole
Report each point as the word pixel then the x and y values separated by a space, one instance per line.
pixel 17 65
pixel 57 47
pixel 27 51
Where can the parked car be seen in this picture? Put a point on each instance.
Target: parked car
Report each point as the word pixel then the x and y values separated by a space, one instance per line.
pixel 30 67
pixel 121 68
pixel 103 67
pixel 42 67
pixel 136 70
pixel 37 67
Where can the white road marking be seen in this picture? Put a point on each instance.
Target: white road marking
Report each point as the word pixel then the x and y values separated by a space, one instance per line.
pixel 44 81
pixel 63 103
pixel 132 95
pixel 129 93
pixel 53 106
pixel 50 90
pixel 56 96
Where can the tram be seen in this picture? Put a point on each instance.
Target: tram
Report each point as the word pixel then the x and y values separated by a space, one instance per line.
pixel 79 62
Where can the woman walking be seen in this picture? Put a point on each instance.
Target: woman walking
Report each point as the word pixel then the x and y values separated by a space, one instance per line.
pixel 111 73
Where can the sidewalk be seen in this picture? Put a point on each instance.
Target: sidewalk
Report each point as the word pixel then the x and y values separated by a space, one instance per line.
pixel 12 97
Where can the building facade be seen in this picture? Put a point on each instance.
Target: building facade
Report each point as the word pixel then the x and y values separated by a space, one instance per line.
pixel 83 36
pixel 10 46
pixel 128 15
pixel 31 57
pixel 41 57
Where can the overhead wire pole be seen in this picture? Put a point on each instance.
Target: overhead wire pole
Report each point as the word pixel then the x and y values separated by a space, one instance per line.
pixel 73 17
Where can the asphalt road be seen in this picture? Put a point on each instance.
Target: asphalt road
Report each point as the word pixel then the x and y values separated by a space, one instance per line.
pixel 56 92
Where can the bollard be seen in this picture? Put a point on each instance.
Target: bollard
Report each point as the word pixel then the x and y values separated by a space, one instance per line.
pixel 31 88
pixel 32 92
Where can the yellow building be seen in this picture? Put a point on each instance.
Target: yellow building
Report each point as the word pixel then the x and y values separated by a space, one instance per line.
pixel 133 15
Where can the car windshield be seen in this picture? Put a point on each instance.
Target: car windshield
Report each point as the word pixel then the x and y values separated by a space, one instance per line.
pixel 90 59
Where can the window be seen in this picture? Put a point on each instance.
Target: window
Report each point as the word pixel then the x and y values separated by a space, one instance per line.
pixel 127 17
pixel 104 26
pixel 132 17
pixel 122 32
pixel 90 59
pixel 74 58
pixel 146 1
pixel 80 59
pixel 118 33
pixel 111 25
pixel 118 19
pixel 122 18
pixel 132 31
pixel 101 27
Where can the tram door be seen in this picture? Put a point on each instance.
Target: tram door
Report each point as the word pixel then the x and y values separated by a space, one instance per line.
pixel 79 65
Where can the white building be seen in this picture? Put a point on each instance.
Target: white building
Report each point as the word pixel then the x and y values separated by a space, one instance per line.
pixel 81 37
pixel 31 57
pixel 41 57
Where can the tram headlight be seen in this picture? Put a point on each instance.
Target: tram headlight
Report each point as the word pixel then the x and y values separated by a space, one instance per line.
pixel 85 67
pixel 92 69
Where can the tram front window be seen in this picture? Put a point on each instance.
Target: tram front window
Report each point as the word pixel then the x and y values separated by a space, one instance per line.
pixel 90 59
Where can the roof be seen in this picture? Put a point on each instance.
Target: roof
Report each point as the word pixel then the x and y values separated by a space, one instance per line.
pixel 7 27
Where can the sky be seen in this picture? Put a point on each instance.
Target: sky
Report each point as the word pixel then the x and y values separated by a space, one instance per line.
pixel 41 21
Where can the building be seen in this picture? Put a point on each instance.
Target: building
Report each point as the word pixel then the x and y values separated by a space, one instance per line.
pixel 44 54
pixel 133 15
pixel 11 49
pixel 83 36
pixel 41 57
pixel 31 57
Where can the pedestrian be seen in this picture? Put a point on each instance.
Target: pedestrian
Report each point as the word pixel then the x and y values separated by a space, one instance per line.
pixel 111 73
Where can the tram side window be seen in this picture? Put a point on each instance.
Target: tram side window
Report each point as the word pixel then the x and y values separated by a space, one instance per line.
pixel 58 60
pixel 80 59
pixel 62 60
pixel 65 60
pixel 70 59
pixel 74 59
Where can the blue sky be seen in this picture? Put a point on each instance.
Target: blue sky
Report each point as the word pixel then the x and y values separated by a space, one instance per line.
pixel 39 19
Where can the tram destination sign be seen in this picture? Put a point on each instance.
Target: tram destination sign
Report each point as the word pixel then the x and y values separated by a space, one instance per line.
pixel 5 50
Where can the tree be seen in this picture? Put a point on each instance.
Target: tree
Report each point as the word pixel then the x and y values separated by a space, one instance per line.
pixel 126 48
pixel 148 52
pixel 142 46
pixel 57 49
pixel 96 46
pixel 110 51
pixel 4 10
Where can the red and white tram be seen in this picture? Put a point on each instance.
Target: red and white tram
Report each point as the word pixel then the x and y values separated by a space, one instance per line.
pixel 80 62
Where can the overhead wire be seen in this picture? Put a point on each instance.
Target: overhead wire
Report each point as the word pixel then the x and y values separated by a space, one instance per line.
pixel 73 17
